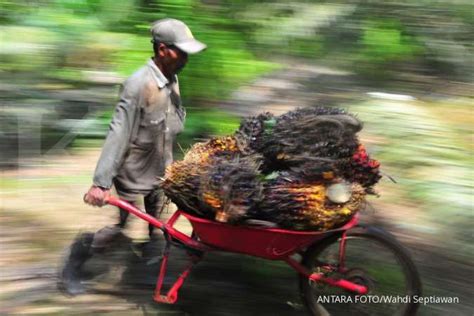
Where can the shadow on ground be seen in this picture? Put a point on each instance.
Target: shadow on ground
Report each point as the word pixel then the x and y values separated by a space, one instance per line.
pixel 221 284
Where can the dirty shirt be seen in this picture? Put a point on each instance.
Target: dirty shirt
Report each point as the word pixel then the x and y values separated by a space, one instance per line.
pixel 139 144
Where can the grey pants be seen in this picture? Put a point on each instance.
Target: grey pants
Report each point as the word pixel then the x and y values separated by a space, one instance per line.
pixel 153 203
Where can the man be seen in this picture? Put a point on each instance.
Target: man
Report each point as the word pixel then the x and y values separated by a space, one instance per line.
pixel 139 144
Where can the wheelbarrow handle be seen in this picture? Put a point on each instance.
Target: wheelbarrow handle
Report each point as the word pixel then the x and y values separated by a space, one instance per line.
pixel 126 206
pixel 115 201
pixel 165 227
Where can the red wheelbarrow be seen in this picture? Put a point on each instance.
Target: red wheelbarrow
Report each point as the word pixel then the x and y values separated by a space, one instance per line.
pixel 353 266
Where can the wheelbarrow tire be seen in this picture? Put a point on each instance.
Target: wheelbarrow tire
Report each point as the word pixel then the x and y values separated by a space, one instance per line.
pixel 383 248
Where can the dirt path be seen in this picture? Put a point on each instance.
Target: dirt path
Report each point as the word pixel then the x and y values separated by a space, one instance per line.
pixel 42 212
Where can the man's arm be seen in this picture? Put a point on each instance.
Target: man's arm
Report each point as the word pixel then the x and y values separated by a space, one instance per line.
pixel 181 113
pixel 115 146
pixel 168 153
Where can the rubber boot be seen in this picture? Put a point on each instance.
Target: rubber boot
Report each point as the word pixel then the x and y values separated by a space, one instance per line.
pixel 70 276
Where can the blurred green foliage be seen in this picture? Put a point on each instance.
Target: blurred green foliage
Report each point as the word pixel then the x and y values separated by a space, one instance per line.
pixel 63 39
pixel 66 37
pixel 383 43
pixel 383 40
pixel 73 44
pixel 377 39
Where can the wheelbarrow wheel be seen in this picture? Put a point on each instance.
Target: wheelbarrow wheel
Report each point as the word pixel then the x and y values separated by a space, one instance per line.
pixel 372 258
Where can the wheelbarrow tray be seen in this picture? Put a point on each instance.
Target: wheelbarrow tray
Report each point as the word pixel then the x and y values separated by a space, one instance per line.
pixel 268 243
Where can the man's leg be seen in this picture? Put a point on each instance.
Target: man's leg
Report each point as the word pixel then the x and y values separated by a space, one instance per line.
pixel 124 194
pixel 83 249
pixel 153 202
pixel 70 276
pixel 123 216
pixel 106 235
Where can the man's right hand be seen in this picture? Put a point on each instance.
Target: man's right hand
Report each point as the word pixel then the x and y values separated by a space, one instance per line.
pixel 96 196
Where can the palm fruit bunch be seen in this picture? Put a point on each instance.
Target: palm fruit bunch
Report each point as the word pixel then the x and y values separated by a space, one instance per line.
pixel 215 147
pixel 317 135
pixel 251 131
pixel 361 169
pixel 230 189
pixel 304 170
pixel 296 204
pixel 180 184
pixel 183 178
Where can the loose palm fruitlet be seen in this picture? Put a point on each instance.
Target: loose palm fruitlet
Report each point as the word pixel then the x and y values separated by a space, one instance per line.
pixel 295 204
pixel 230 189
pixel 182 178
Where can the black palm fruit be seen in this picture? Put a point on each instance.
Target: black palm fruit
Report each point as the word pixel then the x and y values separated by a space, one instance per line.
pixel 319 135
pixel 231 189
pixel 252 129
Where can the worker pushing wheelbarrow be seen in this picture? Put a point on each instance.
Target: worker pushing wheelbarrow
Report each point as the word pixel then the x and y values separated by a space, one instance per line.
pixel 286 187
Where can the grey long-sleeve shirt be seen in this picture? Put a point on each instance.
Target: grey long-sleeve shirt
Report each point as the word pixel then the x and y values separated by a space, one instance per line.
pixel 139 144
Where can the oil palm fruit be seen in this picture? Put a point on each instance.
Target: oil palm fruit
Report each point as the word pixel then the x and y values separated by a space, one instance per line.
pixel 303 205
pixel 303 170
pixel 310 133
pixel 251 131
pixel 361 169
pixel 182 178
pixel 230 189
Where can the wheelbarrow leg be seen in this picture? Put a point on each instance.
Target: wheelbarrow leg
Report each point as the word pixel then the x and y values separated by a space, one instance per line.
pixel 172 295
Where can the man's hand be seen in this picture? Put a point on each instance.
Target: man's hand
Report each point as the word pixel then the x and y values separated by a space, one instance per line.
pixel 96 196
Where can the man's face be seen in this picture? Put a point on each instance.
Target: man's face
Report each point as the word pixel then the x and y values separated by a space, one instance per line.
pixel 173 59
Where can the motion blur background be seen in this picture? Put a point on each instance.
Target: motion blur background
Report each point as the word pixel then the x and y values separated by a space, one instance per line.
pixel 404 67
